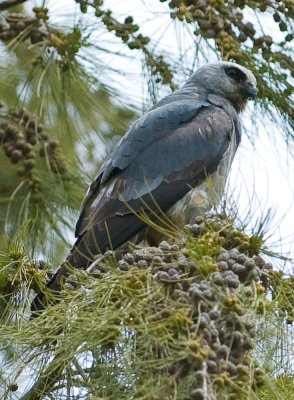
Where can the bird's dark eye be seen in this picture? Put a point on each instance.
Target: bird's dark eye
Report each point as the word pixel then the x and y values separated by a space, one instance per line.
pixel 236 74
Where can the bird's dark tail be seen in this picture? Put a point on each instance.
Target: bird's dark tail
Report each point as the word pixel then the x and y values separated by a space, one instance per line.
pixel 95 241
pixel 50 294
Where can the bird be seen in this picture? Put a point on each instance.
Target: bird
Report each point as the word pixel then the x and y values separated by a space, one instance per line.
pixel 170 156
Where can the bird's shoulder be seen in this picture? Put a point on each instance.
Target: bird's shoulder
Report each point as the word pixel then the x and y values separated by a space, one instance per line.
pixel 166 139
pixel 154 125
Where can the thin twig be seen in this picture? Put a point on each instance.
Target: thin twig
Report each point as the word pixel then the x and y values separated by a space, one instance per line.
pixel 10 3
pixel 46 382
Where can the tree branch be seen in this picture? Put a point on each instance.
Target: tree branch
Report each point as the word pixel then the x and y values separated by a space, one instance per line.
pixel 47 380
pixel 4 5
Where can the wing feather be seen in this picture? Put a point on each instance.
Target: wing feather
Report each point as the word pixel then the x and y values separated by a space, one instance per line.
pixel 162 173
pixel 152 126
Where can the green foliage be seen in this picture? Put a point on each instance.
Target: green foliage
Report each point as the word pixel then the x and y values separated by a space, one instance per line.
pixel 179 321
pixel 154 323
pixel 156 318
pixel 18 275
pixel 246 43
pixel 43 180
pixel 282 289
pixel 222 26
pixel 277 388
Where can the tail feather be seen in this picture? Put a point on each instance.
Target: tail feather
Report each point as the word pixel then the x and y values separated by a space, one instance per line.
pixel 50 294
pixel 84 252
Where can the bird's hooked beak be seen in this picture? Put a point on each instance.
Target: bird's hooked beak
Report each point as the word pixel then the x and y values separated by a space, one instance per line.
pixel 249 92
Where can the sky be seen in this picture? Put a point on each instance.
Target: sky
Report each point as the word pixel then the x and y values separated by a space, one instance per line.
pixel 263 169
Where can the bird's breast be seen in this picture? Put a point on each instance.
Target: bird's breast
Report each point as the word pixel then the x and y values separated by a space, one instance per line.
pixel 198 200
pixel 207 195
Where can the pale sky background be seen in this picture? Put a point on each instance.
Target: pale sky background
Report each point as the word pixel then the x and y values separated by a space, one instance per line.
pixel 262 174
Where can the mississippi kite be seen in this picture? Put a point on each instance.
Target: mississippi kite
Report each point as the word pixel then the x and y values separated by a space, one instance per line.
pixel 161 163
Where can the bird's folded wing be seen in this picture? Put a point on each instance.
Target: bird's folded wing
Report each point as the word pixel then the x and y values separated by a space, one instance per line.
pixel 151 127
pixel 160 175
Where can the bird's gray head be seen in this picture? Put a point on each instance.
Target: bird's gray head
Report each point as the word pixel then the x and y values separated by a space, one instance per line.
pixel 228 80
